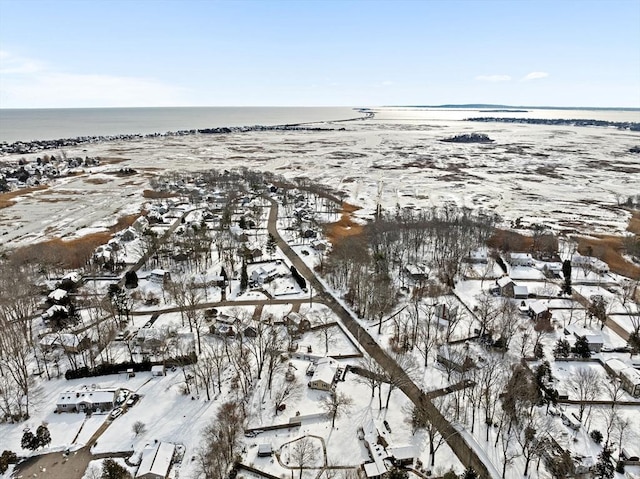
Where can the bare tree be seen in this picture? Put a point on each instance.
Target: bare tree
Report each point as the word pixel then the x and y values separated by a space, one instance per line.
pixel 139 428
pixel 586 382
pixel 303 453
pixel 335 405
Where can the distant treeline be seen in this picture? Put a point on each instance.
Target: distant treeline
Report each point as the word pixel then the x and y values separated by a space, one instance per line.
pixel 622 125
pixel 39 145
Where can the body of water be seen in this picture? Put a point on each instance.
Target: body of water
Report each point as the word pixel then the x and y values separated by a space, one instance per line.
pixel 52 124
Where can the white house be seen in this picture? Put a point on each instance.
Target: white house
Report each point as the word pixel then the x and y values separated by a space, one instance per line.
pixel 263 274
pixel 156 461
pixel 520 259
pixel 324 374
pixel 589 262
pixel 538 310
pixel 85 400
pixel 594 338
pixel 160 276
pixel 58 296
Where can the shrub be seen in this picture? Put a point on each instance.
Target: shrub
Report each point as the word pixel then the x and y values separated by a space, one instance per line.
pixel 596 436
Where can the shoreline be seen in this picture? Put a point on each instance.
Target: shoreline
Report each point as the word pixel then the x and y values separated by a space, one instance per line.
pixel 34 146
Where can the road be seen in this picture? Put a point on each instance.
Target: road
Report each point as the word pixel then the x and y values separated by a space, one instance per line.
pixel 452 437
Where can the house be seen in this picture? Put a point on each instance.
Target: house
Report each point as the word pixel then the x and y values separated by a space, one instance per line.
pixel 594 338
pixel 589 263
pixel 376 439
pixel 150 339
pixel 158 370
pixel 222 329
pixel 156 461
pixel 160 276
pixel 505 286
pixel 324 375
pixel 477 257
pixel 128 235
pixel 58 296
pixel 70 281
pixel 140 225
pixel 454 358
pixel 631 381
pixel 416 272
pixel 70 343
pixel 250 332
pixel 539 311
pixel 402 456
pixel 520 292
pixel 628 375
pixel 520 259
pixel 265 450
pixel 86 400
pixel 263 274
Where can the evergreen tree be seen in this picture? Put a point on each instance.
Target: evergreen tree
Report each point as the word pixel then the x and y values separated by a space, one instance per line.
pixel 29 441
pixel 562 349
pixel 604 468
pixel 7 457
pixel 112 470
pixel 271 245
pixel 582 347
pixel 244 277
pixel 398 473
pixel 43 435
pixel 566 272
pixel 469 473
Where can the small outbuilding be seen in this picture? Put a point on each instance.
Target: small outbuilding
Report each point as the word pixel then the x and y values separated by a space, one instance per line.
pixel 265 450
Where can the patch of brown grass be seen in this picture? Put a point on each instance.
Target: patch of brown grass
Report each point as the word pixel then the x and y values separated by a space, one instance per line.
pixel 634 222
pixel 97 181
pixel 123 222
pixel 608 249
pixel 345 226
pixel 71 253
pixel 6 199
pixel 508 240
pixel 154 195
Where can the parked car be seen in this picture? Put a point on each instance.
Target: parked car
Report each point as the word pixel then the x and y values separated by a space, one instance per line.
pixel 115 413
pixel 132 400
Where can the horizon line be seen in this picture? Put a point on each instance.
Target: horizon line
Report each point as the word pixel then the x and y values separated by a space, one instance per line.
pixel 441 106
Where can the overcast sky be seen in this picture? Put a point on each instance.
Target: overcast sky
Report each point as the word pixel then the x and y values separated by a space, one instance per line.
pixel 92 53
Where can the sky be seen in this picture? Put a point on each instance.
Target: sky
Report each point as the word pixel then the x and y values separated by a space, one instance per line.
pixel 94 53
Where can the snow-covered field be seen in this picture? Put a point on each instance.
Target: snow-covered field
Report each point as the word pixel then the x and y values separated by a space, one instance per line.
pixel 565 177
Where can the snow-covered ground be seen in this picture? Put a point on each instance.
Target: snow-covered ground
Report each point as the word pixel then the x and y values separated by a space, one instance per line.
pixel 521 175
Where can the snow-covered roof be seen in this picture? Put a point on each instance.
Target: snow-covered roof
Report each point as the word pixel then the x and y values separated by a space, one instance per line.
pixel 632 375
pixel 520 256
pixel 616 365
pixel 505 280
pixel 95 396
pixel 401 453
pixel 537 307
pixel 520 291
pixel 156 460
pixel 325 370
pixel 57 294
pixel 73 276
pixel 592 337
